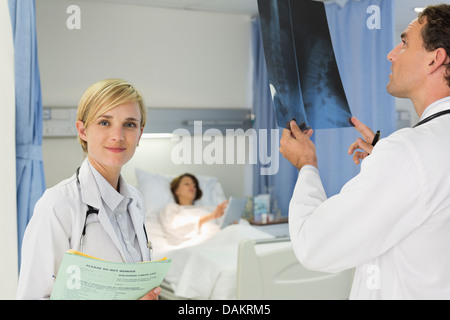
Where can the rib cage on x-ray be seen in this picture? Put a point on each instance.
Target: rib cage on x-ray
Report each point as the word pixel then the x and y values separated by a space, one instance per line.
pixel 303 74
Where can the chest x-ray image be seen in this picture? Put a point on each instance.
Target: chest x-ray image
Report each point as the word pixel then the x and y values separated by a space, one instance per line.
pixel 303 74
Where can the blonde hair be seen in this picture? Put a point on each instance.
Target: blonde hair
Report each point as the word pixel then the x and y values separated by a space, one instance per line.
pixel 102 97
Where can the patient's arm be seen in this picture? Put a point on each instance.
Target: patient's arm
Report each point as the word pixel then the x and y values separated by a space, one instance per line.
pixel 217 213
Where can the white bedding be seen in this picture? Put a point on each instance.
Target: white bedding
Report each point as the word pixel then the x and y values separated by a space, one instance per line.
pixel 204 267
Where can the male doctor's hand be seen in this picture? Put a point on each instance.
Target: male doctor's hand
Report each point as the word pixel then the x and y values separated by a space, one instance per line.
pixel 297 147
pixel 364 144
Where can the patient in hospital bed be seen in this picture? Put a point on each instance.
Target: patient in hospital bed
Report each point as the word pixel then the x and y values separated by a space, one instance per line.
pixel 184 220
pixel 203 264
pixel 161 205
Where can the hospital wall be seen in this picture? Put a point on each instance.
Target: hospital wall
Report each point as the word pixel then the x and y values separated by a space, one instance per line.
pixel 176 58
pixel 8 225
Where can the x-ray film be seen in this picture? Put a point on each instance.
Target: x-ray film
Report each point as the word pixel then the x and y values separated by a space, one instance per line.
pixel 303 74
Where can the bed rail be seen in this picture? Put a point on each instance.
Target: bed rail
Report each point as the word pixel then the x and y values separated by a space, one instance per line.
pixel 277 274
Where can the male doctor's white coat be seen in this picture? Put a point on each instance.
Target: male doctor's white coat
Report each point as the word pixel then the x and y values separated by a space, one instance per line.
pixel 391 222
pixel 57 225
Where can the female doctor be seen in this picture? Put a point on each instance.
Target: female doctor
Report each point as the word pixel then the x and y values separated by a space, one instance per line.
pixel 94 211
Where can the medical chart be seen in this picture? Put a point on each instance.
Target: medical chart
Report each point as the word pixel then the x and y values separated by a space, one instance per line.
pixel 82 277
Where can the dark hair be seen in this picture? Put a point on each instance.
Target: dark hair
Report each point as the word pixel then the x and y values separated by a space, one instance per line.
pixel 436 32
pixel 176 182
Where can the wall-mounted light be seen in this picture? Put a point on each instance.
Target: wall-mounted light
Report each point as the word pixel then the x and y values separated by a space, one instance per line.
pixel 419 9
pixel 165 120
pixel 157 135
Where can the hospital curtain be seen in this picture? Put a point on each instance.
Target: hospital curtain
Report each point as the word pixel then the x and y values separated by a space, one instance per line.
pixel 262 103
pixel 280 181
pixel 362 33
pixel 8 225
pixel 360 46
pixel 30 183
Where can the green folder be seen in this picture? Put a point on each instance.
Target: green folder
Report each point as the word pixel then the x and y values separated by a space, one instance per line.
pixel 83 277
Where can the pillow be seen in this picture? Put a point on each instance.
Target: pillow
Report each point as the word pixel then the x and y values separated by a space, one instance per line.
pixel 155 189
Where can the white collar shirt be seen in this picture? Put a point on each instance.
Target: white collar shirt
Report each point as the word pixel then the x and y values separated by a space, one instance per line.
pixel 437 106
pixel 116 206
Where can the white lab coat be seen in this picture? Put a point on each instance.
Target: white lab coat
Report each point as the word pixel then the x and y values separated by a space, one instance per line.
pixel 57 225
pixel 391 222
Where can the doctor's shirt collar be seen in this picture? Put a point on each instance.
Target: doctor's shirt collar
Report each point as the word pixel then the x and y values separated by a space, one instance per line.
pixel 108 194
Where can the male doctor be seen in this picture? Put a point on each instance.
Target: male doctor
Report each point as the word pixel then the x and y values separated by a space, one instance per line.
pixel 392 221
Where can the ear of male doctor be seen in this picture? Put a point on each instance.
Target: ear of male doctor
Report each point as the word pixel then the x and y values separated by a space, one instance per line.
pixel 95 211
pixel 392 221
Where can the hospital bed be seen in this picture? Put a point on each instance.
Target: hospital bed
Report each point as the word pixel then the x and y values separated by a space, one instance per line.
pixel 238 262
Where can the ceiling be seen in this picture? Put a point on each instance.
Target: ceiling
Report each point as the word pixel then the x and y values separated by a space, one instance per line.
pixel 404 9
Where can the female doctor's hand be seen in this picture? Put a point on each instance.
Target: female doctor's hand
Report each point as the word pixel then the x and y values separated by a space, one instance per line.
pixel 297 147
pixel 152 294
pixel 364 144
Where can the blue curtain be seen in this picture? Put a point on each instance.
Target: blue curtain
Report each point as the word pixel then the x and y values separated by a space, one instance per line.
pixel 281 183
pixel 30 181
pixel 262 104
pixel 361 57
pixel 360 52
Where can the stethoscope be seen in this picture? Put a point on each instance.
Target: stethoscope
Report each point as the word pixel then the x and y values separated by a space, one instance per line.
pixel 433 116
pixel 92 210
